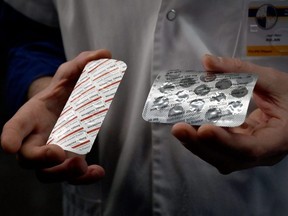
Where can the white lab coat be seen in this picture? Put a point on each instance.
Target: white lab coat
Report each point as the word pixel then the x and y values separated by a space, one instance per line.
pixel 148 171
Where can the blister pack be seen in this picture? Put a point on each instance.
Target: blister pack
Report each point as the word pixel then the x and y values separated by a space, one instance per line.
pixel 198 98
pixel 82 117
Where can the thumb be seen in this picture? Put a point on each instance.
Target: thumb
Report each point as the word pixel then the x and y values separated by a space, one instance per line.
pixel 73 68
pixel 233 65
pixel 267 77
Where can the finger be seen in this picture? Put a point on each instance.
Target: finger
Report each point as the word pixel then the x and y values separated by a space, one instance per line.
pixel 184 132
pixel 222 64
pixel 15 130
pixel 73 170
pixel 188 136
pixel 70 168
pixel 207 150
pixel 211 137
pixel 93 174
pixel 270 86
pixel 266 76
pixel 66 77
pixel 247 147
pixel 32 156
pixel 76 66
pixel 242 150
pixel 221 136
pixel 83 58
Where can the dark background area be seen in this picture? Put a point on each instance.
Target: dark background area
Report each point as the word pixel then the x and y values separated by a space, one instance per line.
pixel 22 194
pixel 20 191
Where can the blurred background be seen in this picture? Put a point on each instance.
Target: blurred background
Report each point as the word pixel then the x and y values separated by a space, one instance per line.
pixel 20 191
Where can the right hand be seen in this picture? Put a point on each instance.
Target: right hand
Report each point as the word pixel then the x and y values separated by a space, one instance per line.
pixel 262 140
pixel 26 133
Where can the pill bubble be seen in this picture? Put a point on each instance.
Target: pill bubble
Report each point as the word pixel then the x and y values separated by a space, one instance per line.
pixel 196 105
pixel 182 95
pixel 223 84
pixel 239 92
pixel 213 114
pixel 244 79
pixel 235 106
pixel 167 87
pixel 202 90
pixel 160 102
pixel 172 75
pixel 176 111
pixel 218 97
pixel 208 77
pixel 187 82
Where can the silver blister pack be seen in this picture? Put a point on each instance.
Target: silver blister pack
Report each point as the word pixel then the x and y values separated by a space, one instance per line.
pixel 199 98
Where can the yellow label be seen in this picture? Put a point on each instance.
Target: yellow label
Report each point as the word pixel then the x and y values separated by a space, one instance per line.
pixel 267 50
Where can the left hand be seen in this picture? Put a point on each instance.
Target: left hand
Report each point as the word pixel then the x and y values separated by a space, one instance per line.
pixel 261 140
pixel 26 133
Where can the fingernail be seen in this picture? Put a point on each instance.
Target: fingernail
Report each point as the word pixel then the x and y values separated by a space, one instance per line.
pixel 213 58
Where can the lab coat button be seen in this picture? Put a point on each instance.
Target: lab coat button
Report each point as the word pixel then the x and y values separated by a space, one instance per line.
pixel 171 15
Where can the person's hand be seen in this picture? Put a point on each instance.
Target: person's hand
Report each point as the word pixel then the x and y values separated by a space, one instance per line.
pixel 263 138
pixel 26 133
